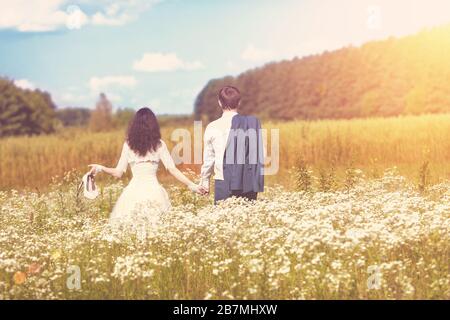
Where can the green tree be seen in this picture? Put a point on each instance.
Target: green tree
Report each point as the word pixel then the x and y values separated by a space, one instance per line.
pixel 381 78
pixel 101 117
pixel 25 112
pixel 415 101
pixel 74 117
pixel 370 104
pixel 123 116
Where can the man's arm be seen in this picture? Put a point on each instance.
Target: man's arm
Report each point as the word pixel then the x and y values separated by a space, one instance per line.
pixel 208 160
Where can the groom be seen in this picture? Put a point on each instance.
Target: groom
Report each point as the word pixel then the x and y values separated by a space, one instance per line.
pixel 233 150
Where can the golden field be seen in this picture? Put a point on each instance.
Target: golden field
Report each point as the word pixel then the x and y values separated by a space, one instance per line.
pixel 369 144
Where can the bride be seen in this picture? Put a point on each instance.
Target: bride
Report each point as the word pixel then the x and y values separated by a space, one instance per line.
pixel 143 198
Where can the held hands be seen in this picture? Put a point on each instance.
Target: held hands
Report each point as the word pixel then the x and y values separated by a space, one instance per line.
pixel 198 189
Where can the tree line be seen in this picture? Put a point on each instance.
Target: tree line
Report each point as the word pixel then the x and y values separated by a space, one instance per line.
pixel 25 112
pixel 33 112
pixel 407 75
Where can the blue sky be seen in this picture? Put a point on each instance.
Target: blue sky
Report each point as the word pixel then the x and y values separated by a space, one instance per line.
pixel 160 53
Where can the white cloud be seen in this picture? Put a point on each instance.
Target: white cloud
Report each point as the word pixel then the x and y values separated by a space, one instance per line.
pixel 68 97
pixel 119 13
pixel 50 15
pixel 113 15
pixel 254 54
pixel 79 97
pixel 25 84
pixel 71 97
pixel 113 97
pixel 101 19
pixel 76 18
pixel 158 62
pixel 98 84
pixel 37 15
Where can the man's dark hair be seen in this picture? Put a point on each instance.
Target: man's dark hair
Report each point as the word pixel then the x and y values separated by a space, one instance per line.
pixel 229 97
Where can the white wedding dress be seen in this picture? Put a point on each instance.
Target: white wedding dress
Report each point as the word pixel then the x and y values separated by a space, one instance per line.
pixel 144 199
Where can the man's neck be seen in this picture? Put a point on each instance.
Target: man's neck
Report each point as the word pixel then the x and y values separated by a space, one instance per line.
pixel 229 112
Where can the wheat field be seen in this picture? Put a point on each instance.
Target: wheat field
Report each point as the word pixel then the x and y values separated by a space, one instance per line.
pixel 369 144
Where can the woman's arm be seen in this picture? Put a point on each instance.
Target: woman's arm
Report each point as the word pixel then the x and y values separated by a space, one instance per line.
pixel 119 170
pixel 115 172
pixel 185 180
pixel 170 166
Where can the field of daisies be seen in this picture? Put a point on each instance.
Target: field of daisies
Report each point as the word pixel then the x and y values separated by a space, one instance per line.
pixel 379 239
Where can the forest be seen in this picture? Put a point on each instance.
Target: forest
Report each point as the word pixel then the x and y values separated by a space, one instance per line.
pixel 25 112
pixel 385 78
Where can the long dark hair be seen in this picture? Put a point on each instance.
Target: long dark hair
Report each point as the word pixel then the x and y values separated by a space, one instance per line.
pixel 143 132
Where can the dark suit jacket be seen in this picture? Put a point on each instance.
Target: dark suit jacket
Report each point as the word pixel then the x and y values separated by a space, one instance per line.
pixel 244 155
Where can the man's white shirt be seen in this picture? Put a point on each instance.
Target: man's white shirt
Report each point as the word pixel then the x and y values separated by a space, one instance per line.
pixel 215 141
